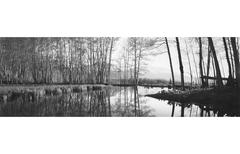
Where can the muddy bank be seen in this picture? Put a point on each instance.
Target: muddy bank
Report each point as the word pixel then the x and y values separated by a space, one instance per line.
pixel 202 96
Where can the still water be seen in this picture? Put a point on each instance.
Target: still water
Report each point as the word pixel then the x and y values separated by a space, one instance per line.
pixel 114 101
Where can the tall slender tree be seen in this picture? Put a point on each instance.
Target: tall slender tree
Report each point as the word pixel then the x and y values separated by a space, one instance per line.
pixel 180 63
pixel 218 72
pixel 227 57
pixel 170 62
pixel 110 60
pixel 231 56
pixel 236 60
pixel 201 62
pixel 208 65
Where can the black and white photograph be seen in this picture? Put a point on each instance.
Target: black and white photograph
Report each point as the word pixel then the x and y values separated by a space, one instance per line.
pixel 116 76
pixel 119 76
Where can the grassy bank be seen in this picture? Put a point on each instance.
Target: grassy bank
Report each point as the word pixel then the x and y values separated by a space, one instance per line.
pixel 10 91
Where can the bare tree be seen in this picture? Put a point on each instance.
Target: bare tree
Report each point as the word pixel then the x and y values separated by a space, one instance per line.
pixel 170 62
pixel 110 60
pixel 236 59
pixel 201 61
pixel 227 57
pixel 218 72
pixel 180 63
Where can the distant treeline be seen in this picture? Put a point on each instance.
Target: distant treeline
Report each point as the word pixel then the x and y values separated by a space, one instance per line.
pixel 146 81
pixel 141 81
pixel 153 81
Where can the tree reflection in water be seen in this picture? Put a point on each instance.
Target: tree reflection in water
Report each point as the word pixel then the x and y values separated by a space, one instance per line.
pixel 132 105
pixel 115 101
pixel 95 103
pixel 212 109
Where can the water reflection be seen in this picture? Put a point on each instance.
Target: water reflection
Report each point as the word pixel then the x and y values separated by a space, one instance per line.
pixel 116 101
pixel 208 110
pixel 97 103
pixel 127 102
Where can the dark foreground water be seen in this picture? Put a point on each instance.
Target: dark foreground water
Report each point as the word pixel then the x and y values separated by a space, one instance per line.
pixel 116 101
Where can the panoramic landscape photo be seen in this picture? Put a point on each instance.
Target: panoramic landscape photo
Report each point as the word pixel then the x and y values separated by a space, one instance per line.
pixel 120 76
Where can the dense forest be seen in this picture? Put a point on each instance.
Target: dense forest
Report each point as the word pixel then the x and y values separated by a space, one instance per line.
pixel 90 60
pixel 64 60
pixel 55 60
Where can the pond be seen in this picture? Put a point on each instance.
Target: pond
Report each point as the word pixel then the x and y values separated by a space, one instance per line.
pixel 108 102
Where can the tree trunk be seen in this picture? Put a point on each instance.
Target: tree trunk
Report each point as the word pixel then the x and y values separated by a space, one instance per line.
pixel 227 57
pixel 180 64
pixel 231 56
pixel 170 61
pixel 208 64
pixel 236 60
pixel 135 61
pixel 190 68
pixel 201 61
pixel 138 65
pixel 110 60
pixel 218 72
pixel 214 70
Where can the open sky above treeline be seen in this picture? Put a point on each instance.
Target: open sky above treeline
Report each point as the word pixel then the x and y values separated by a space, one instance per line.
pixel 157 65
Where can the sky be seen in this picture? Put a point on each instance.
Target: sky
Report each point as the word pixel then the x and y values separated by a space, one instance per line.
pixel 158 66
